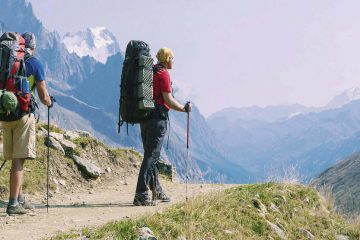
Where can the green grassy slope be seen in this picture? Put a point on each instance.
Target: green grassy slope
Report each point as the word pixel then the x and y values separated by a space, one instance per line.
pixel 236 214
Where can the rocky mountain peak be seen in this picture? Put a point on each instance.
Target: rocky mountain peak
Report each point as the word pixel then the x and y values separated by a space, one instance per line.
pixel 96 42
pixel 345 97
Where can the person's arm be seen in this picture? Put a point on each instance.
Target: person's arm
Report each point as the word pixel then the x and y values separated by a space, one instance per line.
pixel 43 94
pixel 172 103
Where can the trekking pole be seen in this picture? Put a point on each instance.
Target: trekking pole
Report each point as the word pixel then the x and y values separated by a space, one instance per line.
pixel 2 165
pixel 48 155
pixel 187 153
pixel 48 163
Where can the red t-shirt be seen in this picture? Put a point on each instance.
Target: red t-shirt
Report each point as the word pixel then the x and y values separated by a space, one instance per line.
pixel 161 83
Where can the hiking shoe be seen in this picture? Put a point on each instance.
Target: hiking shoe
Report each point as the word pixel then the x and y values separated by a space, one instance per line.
pixel 17 209
pixel 143 200
pixel 27 205
pixel 162 197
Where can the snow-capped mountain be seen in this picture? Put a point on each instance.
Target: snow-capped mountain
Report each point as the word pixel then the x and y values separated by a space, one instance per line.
pixel 97 42
pixel 344 98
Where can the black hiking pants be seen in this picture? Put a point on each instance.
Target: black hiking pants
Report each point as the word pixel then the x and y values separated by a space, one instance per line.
pixel 153 132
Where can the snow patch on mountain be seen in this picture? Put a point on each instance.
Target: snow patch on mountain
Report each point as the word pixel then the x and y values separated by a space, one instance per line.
pixel 344 98
pixel 97 42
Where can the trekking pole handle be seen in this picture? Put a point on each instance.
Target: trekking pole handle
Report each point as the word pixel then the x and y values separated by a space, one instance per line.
pixel 53 100
pixel 187 106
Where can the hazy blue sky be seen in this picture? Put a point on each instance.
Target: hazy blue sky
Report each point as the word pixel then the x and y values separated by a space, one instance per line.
pixel 233 52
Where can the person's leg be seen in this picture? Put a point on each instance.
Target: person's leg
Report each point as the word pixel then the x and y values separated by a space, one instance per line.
pixel 141 186
pixel 152 132
pixel 23 147
pixel 155 145
pixel 141 195
pixel 22 200
pixel 16 176
pixel 25 141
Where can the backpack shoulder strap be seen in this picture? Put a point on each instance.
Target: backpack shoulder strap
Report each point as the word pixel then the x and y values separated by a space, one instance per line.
pixel 28 56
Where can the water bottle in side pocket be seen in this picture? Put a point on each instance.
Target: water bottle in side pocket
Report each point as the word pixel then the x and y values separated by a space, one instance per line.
pixel 24 85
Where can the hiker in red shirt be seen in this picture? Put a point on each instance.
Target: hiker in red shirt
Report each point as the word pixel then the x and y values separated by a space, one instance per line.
pixel 154 130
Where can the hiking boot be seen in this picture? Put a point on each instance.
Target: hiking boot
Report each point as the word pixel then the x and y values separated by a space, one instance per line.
pixel 162 197
pixel 143 200
pixel 27 205
pixel 17 209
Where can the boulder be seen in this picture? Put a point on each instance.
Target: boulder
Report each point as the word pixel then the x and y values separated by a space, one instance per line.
pixel 341 237
pixel 84 133
pixel 278 230
pixel 274 208
pixel 307 234
pixel 71 135
pixel 166 168
pixel 57 136
pixel 54 144
pixel 87 167
pixel 258 204
pixel 42 132
pixel 146 234
pixel 67 145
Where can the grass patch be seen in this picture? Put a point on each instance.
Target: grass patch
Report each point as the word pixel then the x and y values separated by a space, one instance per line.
pixel 53 128
pixel 114 230
pixel 232 215
pixel 83 142
pixel 117 152
pixel 34 181
pixel 124 153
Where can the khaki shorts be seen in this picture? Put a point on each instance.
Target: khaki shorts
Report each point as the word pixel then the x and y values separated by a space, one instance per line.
pixel 20 138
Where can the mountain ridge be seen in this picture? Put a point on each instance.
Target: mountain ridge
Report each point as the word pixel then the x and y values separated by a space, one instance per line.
pixel 275 113
pixel 342 181
pixel 295 142
pixel 96 42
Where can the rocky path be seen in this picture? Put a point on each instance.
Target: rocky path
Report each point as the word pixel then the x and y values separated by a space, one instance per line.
pixel 88 208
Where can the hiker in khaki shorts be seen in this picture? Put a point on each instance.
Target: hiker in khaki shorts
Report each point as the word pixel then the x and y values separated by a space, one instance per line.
pixel 19 129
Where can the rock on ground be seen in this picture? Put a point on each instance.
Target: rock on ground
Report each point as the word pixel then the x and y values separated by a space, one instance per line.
pixel 146 234
pixel 88 167
pixel 57 136
pixel 307 234
pixel 341 237
pixel 278 230
pixel 55 144
pixel 67 145
pixel 71 135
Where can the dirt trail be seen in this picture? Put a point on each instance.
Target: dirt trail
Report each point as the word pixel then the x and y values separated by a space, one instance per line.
pixel 68 211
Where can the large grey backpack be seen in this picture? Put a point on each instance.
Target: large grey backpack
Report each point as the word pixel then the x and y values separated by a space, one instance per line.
pixel 136 90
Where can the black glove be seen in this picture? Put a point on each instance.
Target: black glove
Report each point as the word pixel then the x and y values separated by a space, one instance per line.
pixel 52 101
pixel 187 107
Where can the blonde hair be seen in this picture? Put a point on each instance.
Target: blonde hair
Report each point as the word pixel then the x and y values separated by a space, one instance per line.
pixel 164 55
